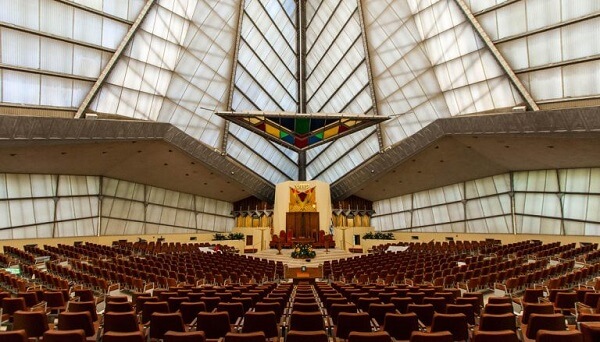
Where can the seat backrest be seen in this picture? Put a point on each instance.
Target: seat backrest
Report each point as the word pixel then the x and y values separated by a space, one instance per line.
pixel 187 336
pixel 466 309
pixel 13 336
pixel 455 323
pixel 532 295
pixel 35 323
pixel 565 300
pixel 161 322
pixel 269 306
pixel 73 335
pixel 214 324
pixel 76 320
pixel 559 336
pixel 401 303
pixel 88 306
pixel 495 336
pixel 118 307
pixel 371 336
pixel 257 336
pixel 120 322
pixel 115 336
pixel 303 336
pixel 189 310
pixel 378 311
pixel 347 322
pixel 499 300
pixel 306 307
pixel 541 308
pixel 400 326
pixel 497 309
pixel 306 321
pixel 440 336
pixel 261 321
pixel 149 308
pixel 544 321
pixel 590 331
pixel 490 322
pixel 424 312
pixel 10 305
pixel 336 309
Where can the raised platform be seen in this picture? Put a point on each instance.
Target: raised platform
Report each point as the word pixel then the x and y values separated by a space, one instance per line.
pixel 333 254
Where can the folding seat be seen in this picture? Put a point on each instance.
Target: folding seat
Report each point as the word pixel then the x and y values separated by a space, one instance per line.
pixel 149 308
pixel 440 336
pixel 306 321
pixel 541 308
pixel 364 302
pixel 261 321
pixel 439 303
pixel 303 336
pixel 477 295
pixel 455 323
pixel 499 300
pixel 400 326
pixel 401 303
pixel 538 322
pixel 118 307
pixel 336 309
pixel 74 335
pixel 35 323
pixel 120 322
pixel 266 306
pixel 424 312
pixel 160 323
pixel 115 336
pixel 116 299
pixel 306 307
pixel 491 322
pixel 565 302
pixel 348 322
pixel 590 331
pixel 235 311
pixel 214 324
pixel 246 302
pixel 377 312
pixel 495 336
pixel 30 298
pixel 257 336
pixel 13 336
pixel 187 336
pixel 175 302
pixel 10 306
pixel 77 320
pixel 497 309
pixel 373 336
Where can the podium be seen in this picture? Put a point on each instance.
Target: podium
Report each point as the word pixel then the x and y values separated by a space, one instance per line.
pixel 303 273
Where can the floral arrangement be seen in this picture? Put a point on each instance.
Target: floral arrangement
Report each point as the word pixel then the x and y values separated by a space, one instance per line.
pixel 230 236
pixel 379 236
pixel 303 251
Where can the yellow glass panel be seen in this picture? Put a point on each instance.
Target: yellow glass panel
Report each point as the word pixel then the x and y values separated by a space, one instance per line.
pixel 274 131
pixel 254 121
pixel 330 132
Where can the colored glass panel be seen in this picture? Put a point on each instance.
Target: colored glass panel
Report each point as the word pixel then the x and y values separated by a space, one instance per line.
pixel 274 131
pixel 313 140
pixel 302 126
pixel 301 142
pixel 333 131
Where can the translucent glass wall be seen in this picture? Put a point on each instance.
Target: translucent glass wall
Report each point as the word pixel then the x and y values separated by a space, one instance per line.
pixel 44 206
pixel 561 202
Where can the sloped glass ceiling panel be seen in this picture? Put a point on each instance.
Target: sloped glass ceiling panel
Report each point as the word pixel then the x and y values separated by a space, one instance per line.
pixel 336 66
pixel 547 44
pixel 53 51
pixel 266 73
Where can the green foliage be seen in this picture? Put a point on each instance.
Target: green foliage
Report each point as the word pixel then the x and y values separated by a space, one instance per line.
pixel 303 251
pixel 230 236
pixel 379 236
